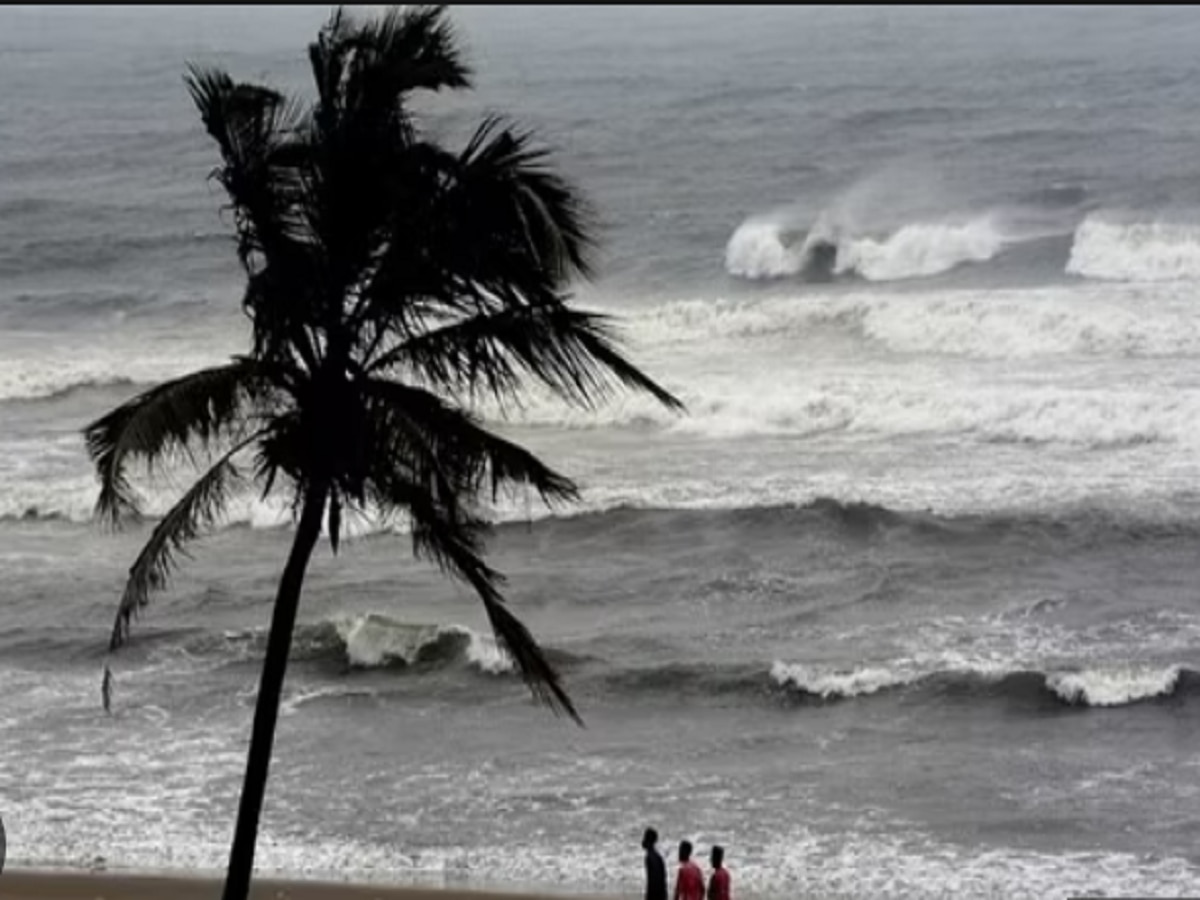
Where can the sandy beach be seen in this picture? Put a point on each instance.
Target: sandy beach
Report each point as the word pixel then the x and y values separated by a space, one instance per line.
pixel 29 885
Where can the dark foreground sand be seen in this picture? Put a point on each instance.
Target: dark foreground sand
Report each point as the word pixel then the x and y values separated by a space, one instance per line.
pixel 26 885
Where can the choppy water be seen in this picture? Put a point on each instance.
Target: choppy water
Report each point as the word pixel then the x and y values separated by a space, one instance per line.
pixel 904 606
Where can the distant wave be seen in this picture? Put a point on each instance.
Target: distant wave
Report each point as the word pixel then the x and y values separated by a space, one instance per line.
pixel 375 640
pixel 617 522
pixel 686 680
pixel 1114 250
pixel 1011 323
pixel 358 641
pixel 1003 325
pixel 35 514
pixel 73 501
pixel 87 384
pixel 101 249
pixel 1117 687
pixel 395 643
pixel 80 306
pixel 1048 416
pixel 1095 687
pixel 921 250
pixel 991 324
pixel 634 527
pixel 334 694
pixel 761 248
pixel 1000 324
pixel 826 684
pixel 59 369
pixel 794 682
pixel 42 383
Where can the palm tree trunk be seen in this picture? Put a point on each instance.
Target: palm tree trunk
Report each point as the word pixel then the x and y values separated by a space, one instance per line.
pixel 266 710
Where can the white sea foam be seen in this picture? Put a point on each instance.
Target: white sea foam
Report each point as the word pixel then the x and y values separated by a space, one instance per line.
pixel 771 247
pixel 1086 321
pixel 827 682
pixel 763 400
pixel 1092 687
pixel 1114 687
pixel 755 386
pixel 373 640
pixel 182 817
pixel 904 863
pixel 848 863
pixel 921 249
pixel 296 701
pixel 36 365
pixel 1130 420
pixel 1120 250
pixel 486 655
pixel 763 248
pixel 853 366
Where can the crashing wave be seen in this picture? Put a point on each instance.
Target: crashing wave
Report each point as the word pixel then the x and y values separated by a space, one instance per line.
pixel 764 248
pixel 1014 323
pixel 1135 251
pixel 374 640
pixel 921 250
pixel 39 369
pixel 1118 686
pixel 827 683
pixel 1115 687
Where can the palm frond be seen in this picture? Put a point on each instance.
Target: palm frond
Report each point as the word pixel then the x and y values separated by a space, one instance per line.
pixel 406 49
pixel 382 60
pixel 194 409
pixel 267 171
pixel 254 126
pixel 364 74
pixel 514 195
pixel 493 225
pixel 570 351
pixel 327 59
pixel 362 166
pixel 420 424
pixel 259 133
pixel 284 301
pixel 197 509
pixel 454 543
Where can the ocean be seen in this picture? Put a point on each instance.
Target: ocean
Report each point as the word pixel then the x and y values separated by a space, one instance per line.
pixel 905 605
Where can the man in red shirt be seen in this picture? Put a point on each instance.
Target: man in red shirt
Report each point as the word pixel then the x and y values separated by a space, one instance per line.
pixel 718 882
pixel 689 882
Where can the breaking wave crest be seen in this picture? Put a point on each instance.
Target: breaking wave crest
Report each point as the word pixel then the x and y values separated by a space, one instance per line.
pixel 374 640
pixel 763 248
pixel 1095 687
pixel 1112 250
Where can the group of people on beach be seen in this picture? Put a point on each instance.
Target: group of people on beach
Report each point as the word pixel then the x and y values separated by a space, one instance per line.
pixel 689 880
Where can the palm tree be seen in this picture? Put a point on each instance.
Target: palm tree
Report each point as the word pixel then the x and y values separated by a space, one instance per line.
pixel 392 285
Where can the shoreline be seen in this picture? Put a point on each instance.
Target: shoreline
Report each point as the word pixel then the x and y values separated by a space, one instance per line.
pixel 50 884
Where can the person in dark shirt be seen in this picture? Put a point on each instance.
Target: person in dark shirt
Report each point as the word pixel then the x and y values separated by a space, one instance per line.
pixel 718 882
pixel 656 869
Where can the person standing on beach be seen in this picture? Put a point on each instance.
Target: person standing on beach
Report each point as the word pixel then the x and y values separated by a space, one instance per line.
pixel 656 869
pixel 689 882
pixel 718 882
